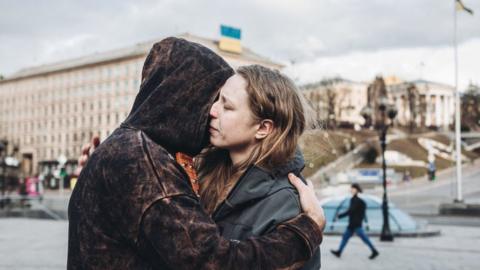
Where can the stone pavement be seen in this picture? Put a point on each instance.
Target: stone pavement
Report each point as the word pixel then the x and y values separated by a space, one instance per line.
pixel 42 244
pixel 27 244
pixel 456 248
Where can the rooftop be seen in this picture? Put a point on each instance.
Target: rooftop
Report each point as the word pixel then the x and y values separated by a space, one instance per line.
pixel 139 49
pixel 421 82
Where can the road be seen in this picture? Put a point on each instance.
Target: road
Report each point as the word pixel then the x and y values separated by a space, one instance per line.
pixel 423 197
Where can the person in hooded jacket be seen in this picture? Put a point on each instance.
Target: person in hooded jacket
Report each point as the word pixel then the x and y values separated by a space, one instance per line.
pixel 256 123
pixel 133 206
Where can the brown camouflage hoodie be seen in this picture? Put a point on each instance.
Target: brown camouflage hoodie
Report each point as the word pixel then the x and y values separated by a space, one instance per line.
pixel 133 206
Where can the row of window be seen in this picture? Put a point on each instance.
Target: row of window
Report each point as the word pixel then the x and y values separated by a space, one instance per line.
pixel 63 109
pixel 56 114
pixel 64 79
pixel 83 121
pixel 65 95
pixel 59 144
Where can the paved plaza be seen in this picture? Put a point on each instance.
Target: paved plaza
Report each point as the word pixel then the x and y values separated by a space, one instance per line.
pixel 42 244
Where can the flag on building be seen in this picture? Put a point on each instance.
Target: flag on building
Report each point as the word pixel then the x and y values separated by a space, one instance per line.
pixel 461 6
pixel 230 39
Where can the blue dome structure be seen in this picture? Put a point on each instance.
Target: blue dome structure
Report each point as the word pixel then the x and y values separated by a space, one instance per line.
pixel 401 223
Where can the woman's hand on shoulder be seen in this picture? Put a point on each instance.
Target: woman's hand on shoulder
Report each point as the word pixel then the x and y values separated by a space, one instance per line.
pixel 85 155
pixel 308 200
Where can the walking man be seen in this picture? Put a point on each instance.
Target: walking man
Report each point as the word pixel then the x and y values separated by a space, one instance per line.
pixel 356 214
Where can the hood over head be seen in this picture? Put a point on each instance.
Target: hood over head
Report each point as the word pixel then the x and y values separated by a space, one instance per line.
pixel 180 81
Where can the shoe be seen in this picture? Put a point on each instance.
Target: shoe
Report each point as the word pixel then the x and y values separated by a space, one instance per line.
pixel 374 255
pixel 336 253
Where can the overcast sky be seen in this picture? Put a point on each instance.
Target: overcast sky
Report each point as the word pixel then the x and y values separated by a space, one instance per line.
pixel 355 39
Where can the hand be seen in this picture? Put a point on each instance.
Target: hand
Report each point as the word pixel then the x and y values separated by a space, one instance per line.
pixel 86 150
pixel 308 200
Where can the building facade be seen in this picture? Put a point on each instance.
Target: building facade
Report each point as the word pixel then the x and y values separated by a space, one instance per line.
pixel 50 111
pixel 433 104
pixel 337 99
pixel 427 104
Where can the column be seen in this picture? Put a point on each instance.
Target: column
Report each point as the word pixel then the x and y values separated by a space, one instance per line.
pixel 438 111
pixel 445 112
pixel 428 119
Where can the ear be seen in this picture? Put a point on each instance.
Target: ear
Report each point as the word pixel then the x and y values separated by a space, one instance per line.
pixel 264 129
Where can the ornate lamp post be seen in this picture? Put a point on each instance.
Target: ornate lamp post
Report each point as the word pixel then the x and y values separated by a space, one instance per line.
pixel 387 110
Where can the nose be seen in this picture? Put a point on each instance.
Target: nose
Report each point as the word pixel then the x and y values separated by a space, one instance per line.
pixel 213 110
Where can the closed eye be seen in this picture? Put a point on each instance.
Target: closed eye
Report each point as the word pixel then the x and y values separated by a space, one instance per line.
pixel 227 104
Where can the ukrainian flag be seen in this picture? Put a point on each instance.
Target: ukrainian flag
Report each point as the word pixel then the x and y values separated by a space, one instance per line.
pixel 230 39
pixel 461 6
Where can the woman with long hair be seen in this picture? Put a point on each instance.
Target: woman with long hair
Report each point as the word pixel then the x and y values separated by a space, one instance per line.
pixel 254 130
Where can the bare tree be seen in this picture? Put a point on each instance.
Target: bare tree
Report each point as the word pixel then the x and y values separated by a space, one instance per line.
pixel 375 91
pixel 333 98
pixel 325 100
pixel 330 97
pixel 412 96
pixel 471 108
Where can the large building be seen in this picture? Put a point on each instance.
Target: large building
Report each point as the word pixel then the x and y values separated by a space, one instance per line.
pixel 342 100
pixel 50 111
pixel 433 104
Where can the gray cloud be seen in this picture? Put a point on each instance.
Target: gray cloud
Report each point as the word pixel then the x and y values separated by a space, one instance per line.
pixel 36 32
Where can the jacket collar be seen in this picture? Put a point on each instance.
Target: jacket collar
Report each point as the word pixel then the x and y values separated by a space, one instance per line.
pixel 257 183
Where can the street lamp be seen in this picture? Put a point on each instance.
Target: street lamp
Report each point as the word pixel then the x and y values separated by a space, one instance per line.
pixel 387 110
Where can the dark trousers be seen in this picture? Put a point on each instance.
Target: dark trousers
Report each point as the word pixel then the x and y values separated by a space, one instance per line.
pixel 349 233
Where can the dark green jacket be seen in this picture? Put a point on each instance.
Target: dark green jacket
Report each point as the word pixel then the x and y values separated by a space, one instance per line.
pixel 259 202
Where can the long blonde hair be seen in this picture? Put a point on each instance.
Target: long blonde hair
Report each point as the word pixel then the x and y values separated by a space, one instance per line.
pixel 271 95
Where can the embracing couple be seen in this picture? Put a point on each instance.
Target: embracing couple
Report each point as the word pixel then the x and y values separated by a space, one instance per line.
pixel 137 206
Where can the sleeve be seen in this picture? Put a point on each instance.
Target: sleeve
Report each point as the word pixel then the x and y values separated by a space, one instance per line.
pixel 178 234
pixel 279 208
pixel 275 209
pixel 346 213
pixel 351 209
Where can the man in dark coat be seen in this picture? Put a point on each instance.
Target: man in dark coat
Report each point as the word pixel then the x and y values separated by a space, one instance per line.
pixel 356 215
pixel 133 206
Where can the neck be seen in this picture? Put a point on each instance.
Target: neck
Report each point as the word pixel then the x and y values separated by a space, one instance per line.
pixel 239 156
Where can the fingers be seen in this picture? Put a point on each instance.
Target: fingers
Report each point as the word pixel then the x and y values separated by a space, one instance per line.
pixel 296 182
pixel 95 141
pixel 82 160
pixel 93 145
pixel 86 149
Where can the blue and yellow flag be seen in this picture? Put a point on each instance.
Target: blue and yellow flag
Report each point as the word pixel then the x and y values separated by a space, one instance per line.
pixel 230 40
pixel 461 6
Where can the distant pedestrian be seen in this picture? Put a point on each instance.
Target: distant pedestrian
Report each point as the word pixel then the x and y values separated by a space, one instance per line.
pixel 356 214
pixel 406 176
pixel 431 170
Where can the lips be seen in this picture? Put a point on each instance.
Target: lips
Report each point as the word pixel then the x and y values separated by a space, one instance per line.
pixel 212 129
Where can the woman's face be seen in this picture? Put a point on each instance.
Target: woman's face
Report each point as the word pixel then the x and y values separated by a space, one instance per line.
pixel 232 126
